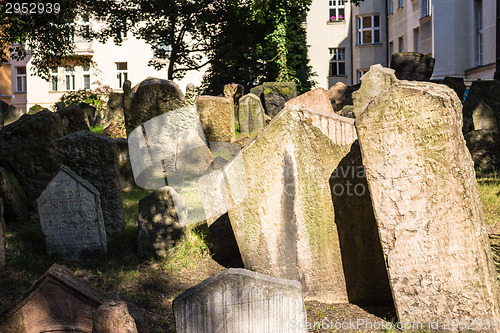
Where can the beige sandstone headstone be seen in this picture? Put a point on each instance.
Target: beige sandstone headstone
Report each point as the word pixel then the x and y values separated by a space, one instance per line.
pixel 426 203
pixel 216 117
pixel 285 226
pixel 316 99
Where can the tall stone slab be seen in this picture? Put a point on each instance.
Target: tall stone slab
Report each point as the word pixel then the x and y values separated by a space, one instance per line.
pixel 316 99
pixel 216 117
pixel 94 157
pixel 237 300
pixel 71 218
pixel 426 203
pixel 285 226
pixel 251 114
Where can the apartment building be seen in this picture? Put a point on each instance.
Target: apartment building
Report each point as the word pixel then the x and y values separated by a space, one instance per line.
pixel 113 64
pixel 460 34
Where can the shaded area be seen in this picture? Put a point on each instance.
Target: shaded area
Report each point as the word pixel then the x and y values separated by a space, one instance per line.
pixel 222 243
pixel 362 257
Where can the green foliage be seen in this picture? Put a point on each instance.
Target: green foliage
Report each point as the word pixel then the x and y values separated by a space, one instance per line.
pixel 98 97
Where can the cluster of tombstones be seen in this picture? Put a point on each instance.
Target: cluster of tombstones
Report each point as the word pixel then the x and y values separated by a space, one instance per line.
pixel 383 207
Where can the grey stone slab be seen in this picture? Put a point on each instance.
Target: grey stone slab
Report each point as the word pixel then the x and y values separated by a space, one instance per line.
pixel 238 300
pixel 426 202
pixel 71 219
pixel 251 114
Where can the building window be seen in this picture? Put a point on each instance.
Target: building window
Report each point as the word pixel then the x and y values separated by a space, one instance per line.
pixel 416 40
pixel 162 51
pixel 336 10
pixel 400 4
pixel 121 74
pixel 85 28
pixel 21 79
pixel 401 45
pixel 368 29
pixel 425 8
pixel 337 62
pixel 70 78
pixel 86 77
pixel 360 73
pixel 390 7
pixel 54 79
pixel 479 31
pixel 391 51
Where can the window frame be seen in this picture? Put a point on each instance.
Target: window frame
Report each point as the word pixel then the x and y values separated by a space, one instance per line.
pixel 425 8
pixel 401 44
pixel 479 27
pixel 360 29
pixel 86 73
pixel 360 73
pixel 121 75
pixel 69 78
pixel 54 79
pixel 21 78
pixel 400 4
pixel 339 54
pixel 390 9
pixel 336 6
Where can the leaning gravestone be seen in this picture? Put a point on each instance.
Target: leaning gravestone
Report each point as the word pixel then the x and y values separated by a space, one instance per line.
pixel 94 157
pixel 251 114
pixel 71 218
pixel 160 216
pixel 2 236
pixel 426 202
pixel 285 225
pixel 276 94
pixel 484 118
pixel 216 117
pixel 237 300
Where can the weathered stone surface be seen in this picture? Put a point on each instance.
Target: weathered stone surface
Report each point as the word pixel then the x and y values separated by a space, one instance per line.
pixel 362 256
pixel 115 130
pixel 484 118
pixel 61 302
pixel 216 117
pixel 484 147
pixel 412 66
pixel 374 82
pixel 8 114
pixel 193 156
pixel 316 99
pixel 114 112
pixel 71 218
pixel 234 91
pixel 486 91
pixel 94 158
pixel 276 94
pixel 494 237
pixel 94 117
pixel 154 97
pixel 24 149
pixel 223 246
pixel 113 317
pixel 347 111
pixel 125 173
pixel 426 202
pixel 285 225
pixel 74 119
pixel 251 114
pixel 160 216
pixel 237 300
pixel 457 84
pixel 15 209
pixel 2 237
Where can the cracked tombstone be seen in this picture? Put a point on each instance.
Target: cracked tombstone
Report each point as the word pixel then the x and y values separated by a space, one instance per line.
pixel 238 300
pixel 71 218
pixel 426 201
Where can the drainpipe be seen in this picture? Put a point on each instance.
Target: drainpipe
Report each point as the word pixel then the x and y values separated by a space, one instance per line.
pixel 497 73
pixel 353 38
pixel 387 33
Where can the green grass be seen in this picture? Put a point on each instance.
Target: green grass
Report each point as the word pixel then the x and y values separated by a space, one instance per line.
pixel 489 193
pixel 97 129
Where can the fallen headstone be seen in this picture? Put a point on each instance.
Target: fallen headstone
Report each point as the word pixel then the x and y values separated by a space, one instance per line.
pixel 412 66
pixel 94 157
pixel 237 300
pixel 61 302
pixel 160 216
pixel 216 117
pixel 71 218
pixel 426 202
pixel 251 114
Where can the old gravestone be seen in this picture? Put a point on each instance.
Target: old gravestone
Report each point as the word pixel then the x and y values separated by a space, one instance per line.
pixel 216 117
pixel 160 216
pixel 316 99
pixel 238 300
pixel 74 119
pixel 71 218
pixel 15 209
pixel 412 66
pixel 251 114
pixel 426 202
pixel 285 225
pixel 94 157
pixel 276 94
pixel 484 118
pixel 488 92
pixel 2 237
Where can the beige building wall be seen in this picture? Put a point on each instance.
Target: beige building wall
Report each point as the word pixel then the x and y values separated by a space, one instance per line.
pixel 322 35
pixel 5 83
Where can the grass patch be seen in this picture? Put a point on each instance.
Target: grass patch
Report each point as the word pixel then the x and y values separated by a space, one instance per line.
pixel 97 129
pixel 489 192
